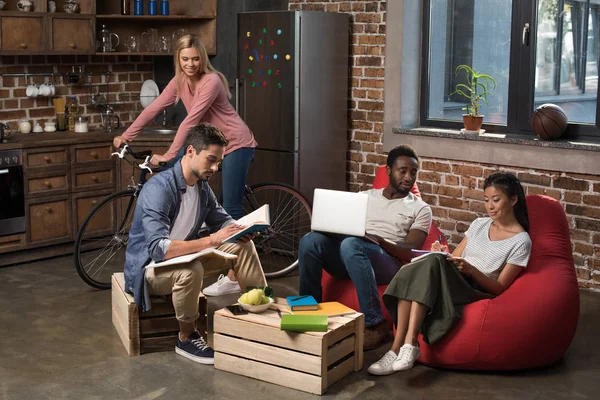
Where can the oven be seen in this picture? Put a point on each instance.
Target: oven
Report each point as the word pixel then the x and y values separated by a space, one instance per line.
pixel 12 198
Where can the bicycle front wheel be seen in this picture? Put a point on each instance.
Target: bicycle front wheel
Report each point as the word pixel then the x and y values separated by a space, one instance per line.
pixel 102 239
pixel 290 212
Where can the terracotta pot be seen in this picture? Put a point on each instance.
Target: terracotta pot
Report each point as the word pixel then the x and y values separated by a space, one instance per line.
pixel 472 123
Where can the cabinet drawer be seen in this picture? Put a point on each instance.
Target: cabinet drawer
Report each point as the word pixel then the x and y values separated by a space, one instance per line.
pixel 104 221
pixel 11 243
pixel 47 185
pixel 91 179
pixel 22 33
pixel 58 156
pixel 49 220
pixel 93 154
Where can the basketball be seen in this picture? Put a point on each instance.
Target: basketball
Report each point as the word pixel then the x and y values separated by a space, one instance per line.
pixel 549 121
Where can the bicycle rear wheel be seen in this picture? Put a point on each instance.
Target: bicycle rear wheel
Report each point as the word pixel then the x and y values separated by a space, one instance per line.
pixel 102 239
pixel 290 212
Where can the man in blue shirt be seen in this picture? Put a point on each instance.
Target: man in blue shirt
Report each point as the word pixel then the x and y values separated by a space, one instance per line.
pixel 169 213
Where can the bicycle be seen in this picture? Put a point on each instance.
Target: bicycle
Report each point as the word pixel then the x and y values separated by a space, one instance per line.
pixel 100 250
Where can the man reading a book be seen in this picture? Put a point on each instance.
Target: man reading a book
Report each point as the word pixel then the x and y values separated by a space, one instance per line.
pixel 169 213
pixel 397 221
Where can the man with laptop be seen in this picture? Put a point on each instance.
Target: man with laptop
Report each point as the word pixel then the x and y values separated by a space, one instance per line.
pixel 364 236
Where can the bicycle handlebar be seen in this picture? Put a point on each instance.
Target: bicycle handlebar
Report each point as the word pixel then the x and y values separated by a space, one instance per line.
pixel 142 155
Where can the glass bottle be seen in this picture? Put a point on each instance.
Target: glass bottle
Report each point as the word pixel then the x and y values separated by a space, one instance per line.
pixel 125 7
pixel 152 7
pixel 73 113
pixel 138 7
pixel 164 7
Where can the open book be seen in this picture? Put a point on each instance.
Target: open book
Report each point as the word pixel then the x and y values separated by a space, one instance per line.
pixel 419 254
pixel 210 252
pixel 257 221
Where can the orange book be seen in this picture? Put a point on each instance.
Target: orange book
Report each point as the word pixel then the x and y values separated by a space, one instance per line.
pixel 331 309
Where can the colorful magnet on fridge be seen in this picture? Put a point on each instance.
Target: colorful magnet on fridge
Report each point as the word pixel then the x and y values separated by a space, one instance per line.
pixel 272 43
pixel 249 70
pixel 258 84
pixel 277 72
pixel 259 41
pixel 261 57
pixel 248 34
pixel 275 56
pixel 256 54
pixel 288 57
pixel 267 57
pixel 261 72
pixel 251 58
pixel 253 84
pixel 264 83
pixel 279 31
pixel 264 30
pixel 269 72
pixel 246 46
pixel 279 85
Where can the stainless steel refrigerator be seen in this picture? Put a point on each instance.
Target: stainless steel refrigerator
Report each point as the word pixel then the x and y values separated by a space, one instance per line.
pixel 292 91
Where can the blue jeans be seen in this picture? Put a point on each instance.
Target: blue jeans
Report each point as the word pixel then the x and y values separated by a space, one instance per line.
pixel 347 257
pixel 235 167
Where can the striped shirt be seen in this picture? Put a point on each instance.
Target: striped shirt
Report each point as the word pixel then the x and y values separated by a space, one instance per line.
pixel 490 256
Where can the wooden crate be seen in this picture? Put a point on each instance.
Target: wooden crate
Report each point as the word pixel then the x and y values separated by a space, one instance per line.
pixel 147 332
pixel 253 345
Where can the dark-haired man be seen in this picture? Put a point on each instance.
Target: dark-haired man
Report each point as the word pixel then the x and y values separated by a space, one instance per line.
pixel 397 220
pixel 170 210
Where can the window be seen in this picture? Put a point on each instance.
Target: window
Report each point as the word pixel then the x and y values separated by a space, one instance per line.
pixel 538 51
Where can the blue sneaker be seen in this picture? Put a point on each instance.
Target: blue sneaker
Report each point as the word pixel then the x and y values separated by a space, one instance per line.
pixel 195 349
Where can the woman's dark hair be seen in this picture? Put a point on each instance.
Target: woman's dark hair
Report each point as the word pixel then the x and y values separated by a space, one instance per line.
pixel 510 185
pixel 399 151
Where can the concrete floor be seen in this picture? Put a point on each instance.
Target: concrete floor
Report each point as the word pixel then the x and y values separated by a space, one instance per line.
pixel 57 342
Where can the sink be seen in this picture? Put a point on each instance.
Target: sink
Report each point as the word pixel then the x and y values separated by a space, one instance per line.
pixel 160 130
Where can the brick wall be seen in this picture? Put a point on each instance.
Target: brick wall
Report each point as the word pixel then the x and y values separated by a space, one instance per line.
pixel 123 86
pixel 452 188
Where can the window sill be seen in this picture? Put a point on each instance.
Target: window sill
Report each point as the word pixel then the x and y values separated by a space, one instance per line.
pixel 527 140
pixel 521 151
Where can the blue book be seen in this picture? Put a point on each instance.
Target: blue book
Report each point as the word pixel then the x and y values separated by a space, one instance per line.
pixel 256 221
pixel 302 303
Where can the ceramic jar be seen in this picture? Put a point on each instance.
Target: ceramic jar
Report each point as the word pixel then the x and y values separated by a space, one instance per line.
pixel 71 6
pixel 25 5
pixel 24 126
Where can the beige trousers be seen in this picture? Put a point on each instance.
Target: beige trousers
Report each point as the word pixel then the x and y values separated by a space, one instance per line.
pixel 184 281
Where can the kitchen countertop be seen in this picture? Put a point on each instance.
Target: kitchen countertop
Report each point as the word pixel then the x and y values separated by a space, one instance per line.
pixel 33 140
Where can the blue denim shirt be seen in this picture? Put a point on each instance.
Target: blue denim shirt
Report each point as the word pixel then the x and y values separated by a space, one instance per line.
pixel 155 212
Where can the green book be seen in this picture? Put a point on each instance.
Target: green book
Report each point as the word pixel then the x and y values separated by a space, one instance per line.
pixel 304 323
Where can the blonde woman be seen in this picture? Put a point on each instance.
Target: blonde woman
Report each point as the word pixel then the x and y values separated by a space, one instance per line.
pixel 205 94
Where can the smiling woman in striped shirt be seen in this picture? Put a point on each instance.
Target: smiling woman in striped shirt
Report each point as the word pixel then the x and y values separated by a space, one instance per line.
pixel 427 295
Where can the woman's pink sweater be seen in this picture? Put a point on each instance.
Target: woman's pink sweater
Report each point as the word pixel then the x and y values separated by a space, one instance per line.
pixel 207 103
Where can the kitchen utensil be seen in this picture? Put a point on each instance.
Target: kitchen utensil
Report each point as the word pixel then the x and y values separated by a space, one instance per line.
pixel 106 40
pixel 32 91
pixel 81 124
pixel 61 121
pixel 49 126
pixel 45 90
pixel 148 93
pixel 71 6
pixel 149 39
pixel 24 5
pixel 110 121
pixel 38 128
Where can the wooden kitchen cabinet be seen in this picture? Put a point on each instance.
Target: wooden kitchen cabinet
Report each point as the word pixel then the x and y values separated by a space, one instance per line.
pixel 46 157
pixel 48 220
pixel 82 205
pixel 72 33
pixel 47 183
pixel 22 33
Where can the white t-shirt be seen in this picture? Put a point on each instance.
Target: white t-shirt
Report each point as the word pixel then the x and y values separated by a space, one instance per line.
pixel 392 219
pixel 490 256
pixel 184 222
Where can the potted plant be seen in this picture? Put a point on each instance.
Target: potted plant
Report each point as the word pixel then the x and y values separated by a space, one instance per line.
pixel 476 89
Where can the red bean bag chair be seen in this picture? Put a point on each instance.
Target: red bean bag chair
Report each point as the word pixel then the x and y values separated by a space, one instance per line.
pixel 344 291
pixel 533 322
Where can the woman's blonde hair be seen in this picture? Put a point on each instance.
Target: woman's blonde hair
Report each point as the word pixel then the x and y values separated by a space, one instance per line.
pixel 192 41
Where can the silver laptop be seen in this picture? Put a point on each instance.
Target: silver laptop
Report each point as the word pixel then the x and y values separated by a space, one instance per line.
pixel 339 212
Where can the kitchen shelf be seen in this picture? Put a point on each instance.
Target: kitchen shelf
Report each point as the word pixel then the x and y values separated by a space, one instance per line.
pixel 26 75
pixel 134 53
pixel 154 17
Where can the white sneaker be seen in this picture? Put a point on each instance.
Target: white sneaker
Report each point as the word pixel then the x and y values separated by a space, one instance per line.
pixel 407 357
pixel 222 286
pixel 384 365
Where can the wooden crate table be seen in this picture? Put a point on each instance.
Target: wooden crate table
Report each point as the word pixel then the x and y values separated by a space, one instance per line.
pixel 253 345
pixel 147 332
